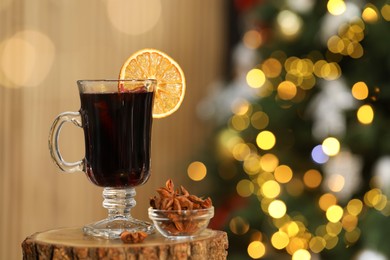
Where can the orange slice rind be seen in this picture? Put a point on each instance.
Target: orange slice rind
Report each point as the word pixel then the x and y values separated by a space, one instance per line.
pixel 155 64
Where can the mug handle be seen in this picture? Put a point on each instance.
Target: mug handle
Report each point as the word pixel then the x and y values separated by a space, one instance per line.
pixel 70 117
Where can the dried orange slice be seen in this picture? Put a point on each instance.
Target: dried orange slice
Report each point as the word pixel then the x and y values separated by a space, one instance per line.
pixel 154 64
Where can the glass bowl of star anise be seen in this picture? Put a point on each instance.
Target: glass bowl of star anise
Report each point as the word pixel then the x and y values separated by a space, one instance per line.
pixel 176 214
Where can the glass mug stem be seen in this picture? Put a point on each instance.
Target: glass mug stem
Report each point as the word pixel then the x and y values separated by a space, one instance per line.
pixel 66 117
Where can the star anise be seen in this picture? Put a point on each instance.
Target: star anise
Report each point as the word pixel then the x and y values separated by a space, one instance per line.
pixel 179 199
pixel 133 237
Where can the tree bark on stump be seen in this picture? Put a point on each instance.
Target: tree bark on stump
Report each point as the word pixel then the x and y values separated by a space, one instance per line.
pixel 72 244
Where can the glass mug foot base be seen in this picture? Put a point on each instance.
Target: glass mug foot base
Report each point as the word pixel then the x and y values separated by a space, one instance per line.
pixel 111 228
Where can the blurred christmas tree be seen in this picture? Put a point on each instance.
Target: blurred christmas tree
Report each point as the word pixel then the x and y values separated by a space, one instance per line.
pixel 302 146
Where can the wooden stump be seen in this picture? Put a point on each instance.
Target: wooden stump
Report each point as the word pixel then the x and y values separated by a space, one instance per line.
pixel 71 243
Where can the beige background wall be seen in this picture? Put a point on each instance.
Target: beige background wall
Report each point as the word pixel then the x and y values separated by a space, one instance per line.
pixel 45 46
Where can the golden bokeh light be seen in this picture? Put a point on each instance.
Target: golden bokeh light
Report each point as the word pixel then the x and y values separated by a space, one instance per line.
pixel 317 69
pixel 385 11
pixel 335 44
pixel 283 174
pixel 239 123
pixel 134 23
pixel 280 240
pixel 295 187
pixel 382 204
pixel 265 140
pixel 336 7
pixel 376 199
pixel 240 106
pixel 270 189
pixel 26 59
pixel 301 254
pixel 281 223
pixel 345 47
pixel 252 164
pixel 353 31
pixel 353 236
pixel 227 140
pixel 269 162
pixel 241 151
pixel 334 213
pixel 264 177
pixel 271 68
pixel 197 171
pixel 336 182
pixel 320 231
pixel 331 241
pixel 238 225
pixel 292 228
pixel 327 200
pixel 334 228
pixel 286 90
pixel 355 50
pixel 360 90
pixel 256 249
pixel 277 209
pixel 331 146
pixel 259 120
pixel 245 188
pixel 296 243
pixel 354 207
pixel 317 244
pixel 289 23
pixel 255 78
pixel 330 71
pixel 347 41
pixel 349 222
pixel 370 14
pixel 312 178
pixel 365 114
pixel 252 39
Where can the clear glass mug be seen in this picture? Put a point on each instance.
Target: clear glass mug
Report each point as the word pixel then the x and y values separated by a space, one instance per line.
pixel 116 116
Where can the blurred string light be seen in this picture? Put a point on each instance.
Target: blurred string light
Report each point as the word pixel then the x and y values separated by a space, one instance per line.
pixel 336 7
pixel 197 171
pixel 365 114
pixel 301 254
pixel 256 249
pixel 331 146
pixel 283 174
pixel 312 178
pixel 289 24
pixel 265 140
pixel 360 90
pixel 385 11
pixel 289 78
pixel 255 78
pixel 347 42
pixel 370 14
pixel 252 39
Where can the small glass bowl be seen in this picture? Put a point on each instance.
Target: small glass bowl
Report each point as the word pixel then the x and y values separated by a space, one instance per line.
pixel 179 224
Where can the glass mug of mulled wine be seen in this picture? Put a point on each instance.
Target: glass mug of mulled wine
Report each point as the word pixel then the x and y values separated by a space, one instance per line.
pixel 116 116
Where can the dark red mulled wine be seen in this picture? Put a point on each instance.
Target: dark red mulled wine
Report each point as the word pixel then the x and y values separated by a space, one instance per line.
pixel 117 130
